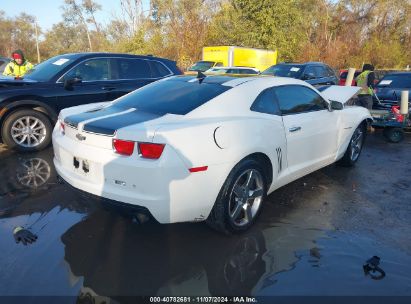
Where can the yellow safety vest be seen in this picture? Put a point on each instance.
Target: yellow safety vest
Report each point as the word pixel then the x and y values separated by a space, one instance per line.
pixel 13 69
pixel 362 81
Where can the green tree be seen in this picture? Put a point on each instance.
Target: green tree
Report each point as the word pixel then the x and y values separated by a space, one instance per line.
pixel 270 24
pixel 18 33
pixel 63 38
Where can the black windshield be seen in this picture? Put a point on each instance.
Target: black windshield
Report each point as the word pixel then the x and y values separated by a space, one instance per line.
pixel 284 70
pixel 49 68
pixel 174 96
pixel 202 66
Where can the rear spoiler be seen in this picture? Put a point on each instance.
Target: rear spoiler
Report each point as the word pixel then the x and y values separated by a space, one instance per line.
pixel 339 93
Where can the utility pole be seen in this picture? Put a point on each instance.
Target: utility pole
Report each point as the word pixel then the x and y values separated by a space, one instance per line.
pixel 37 41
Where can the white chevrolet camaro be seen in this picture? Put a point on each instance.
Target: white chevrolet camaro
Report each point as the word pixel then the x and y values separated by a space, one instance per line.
pixel 211 148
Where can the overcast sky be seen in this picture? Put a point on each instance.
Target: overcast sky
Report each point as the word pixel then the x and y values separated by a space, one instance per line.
pixel 48 12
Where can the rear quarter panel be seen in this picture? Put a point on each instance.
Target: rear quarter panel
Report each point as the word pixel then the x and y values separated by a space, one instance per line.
pixel 225 142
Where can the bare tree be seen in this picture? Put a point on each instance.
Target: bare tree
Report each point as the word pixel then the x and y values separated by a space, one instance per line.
pixel 76 12
pixel 132 15
pixel 90 7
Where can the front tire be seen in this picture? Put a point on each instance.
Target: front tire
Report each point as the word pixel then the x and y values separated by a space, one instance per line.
pixel 27 130
pixel 240 199
pixel 354 148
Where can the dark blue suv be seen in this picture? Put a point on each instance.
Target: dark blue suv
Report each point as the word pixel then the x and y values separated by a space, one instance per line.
pixel 29 106
pixel 315 73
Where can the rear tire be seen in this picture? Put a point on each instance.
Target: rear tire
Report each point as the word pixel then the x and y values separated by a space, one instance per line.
pixel 26 130
pixel 394 135
pixel 240 199
pixel 354 148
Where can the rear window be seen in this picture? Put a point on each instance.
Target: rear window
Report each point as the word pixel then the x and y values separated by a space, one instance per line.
pixel 172 96
pixel 158 69
pixel 396 81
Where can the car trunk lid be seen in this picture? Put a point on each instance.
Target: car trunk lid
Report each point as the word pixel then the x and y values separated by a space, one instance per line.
pixel 99 126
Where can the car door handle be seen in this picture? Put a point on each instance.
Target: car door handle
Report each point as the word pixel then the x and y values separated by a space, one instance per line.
pixel 294 129
pixel 107 88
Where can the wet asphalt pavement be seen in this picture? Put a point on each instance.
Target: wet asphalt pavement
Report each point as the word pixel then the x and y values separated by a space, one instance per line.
pixel 312 238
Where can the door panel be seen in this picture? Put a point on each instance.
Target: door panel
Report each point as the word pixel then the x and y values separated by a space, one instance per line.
pixel 311 130
pixel 95 75
pixel 80 93
pixel 311 140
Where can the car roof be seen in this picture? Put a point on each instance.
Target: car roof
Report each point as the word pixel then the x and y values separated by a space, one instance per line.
pixel 234 67
pixel 233 81
pixel 303 63
pixel 106 54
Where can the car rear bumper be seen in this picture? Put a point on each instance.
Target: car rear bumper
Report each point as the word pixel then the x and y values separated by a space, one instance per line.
pixel 107 202
pixel 165 187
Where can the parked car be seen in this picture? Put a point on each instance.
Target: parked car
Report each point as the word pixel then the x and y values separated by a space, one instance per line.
pixel 232 70
pixel 203 66
pixel 315 73
pixel 343 77
pixel 3 62
pixel 210 148
pixel 388 90
pixel 29 107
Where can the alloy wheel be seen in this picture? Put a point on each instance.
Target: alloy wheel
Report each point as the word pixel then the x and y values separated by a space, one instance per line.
pixel 28 131
pixel 246 197
pixel 356 143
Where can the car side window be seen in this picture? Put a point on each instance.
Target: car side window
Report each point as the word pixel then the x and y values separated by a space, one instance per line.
pixel 310 73
pixel 320 71
pixel 266 103
pixel 130 68
pixel 296 99
pixel 247 71
pixel 158 69
pixel 330 71
pixel 91 70
pixel 219 64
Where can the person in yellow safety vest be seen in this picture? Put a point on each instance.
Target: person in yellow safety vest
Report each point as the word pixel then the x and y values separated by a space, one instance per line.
pixel 19 66
pixel 366 81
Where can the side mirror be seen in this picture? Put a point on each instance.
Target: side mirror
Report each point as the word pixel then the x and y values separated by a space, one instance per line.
pixel 68 83
pixel 336 105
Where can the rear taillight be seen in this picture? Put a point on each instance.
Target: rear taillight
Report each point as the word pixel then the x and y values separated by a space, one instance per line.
pixel 123 147
pixel 150 150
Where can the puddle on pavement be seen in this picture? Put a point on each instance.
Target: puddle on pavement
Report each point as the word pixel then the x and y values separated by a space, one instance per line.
pixel 85 248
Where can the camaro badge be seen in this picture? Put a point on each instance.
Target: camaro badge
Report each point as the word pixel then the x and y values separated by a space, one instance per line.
pixel 80 137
